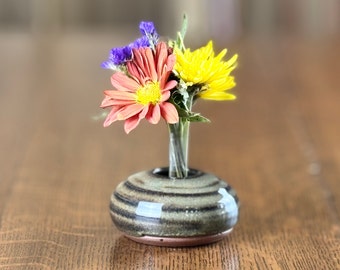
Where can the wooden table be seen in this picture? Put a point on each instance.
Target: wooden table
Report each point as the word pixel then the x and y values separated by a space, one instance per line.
pixel 278 145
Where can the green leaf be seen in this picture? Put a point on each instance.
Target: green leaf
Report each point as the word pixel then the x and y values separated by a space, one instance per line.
pixel 181 34
pixel 184 26
pixel 196 117
pixel 189 116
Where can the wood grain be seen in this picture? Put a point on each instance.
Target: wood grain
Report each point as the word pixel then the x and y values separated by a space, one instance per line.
pixel 277 145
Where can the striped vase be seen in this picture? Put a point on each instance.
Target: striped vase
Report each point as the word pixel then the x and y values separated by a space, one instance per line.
pixel 151 208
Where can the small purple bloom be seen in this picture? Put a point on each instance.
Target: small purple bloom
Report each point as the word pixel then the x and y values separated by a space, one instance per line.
pixel 117 56
pixel 148 29
pixel 108 65
pixel 120 55
pixel 140 42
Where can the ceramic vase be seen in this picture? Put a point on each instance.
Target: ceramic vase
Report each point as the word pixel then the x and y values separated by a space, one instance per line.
pixel 151 208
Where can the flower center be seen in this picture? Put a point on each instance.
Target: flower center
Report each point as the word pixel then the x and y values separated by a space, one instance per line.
pixel 150 93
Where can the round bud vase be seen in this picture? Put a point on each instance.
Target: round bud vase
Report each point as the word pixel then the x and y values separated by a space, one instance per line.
pixel 151 208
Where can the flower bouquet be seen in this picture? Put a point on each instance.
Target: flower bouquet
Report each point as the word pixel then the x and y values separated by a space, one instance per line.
pixel 154 79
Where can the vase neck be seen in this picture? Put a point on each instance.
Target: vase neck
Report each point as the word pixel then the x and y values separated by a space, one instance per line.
pixel 178 149
pixel 179 143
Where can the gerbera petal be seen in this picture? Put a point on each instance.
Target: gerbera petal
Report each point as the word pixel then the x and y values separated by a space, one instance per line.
pixel 117 102
pixel 131 123
pixel 145 64
pixel 129 111
pixel 107 102
pixel 154 114
pixel 143 113
pixel 121 95
pixel 165 96
pixel 161 57
pixel 132 69
pixel 123 83
pixel 169 112
pixel 144 70
pixel 112 116
pixel 170 62
pixel 136 73
pixel 138 59
pixel 169 85
pixel 150 64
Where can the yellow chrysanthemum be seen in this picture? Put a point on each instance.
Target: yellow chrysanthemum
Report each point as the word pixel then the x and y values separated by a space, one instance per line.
pixel 202 67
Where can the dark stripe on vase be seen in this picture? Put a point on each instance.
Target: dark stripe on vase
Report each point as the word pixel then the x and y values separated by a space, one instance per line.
pixel 207 210
pixel 134 203
pixel 139 229
pixel 175 219
pixel 169 208
pixel 135 188
pixel 125 200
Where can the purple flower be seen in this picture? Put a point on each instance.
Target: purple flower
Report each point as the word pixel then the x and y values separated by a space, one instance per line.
pixel 148 29
pixel 116 57
pixel 120 55
pixel 140 42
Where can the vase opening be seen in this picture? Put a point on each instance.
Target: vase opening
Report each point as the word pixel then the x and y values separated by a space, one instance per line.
pixel 164 172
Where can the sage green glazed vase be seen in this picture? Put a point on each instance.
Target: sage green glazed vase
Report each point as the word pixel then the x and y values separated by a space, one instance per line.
pixel 151 208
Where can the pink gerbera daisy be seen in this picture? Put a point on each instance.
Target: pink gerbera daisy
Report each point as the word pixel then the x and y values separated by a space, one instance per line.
pixel 144 92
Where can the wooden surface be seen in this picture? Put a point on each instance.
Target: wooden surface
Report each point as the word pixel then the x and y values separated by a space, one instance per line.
pixel 278 145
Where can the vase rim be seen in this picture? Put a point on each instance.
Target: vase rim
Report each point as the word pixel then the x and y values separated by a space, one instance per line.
pixel 164 173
